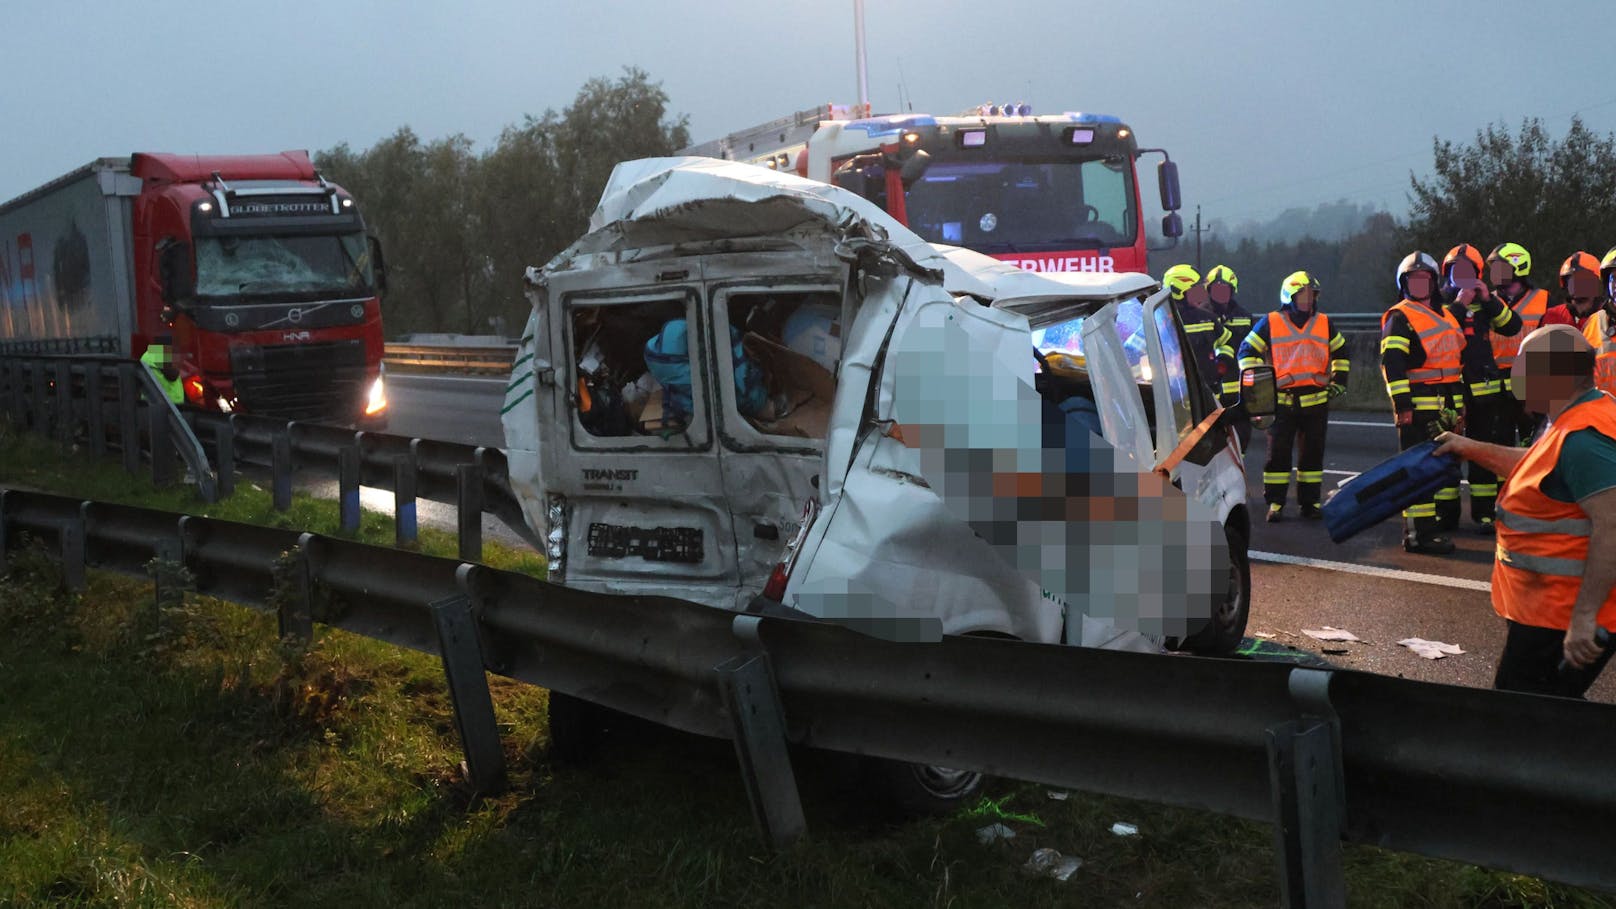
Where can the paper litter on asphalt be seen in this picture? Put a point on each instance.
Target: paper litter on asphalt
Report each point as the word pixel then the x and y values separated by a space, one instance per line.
pixel 1051 863
pixel 1431 650
pixel 1331 634
pixel 1261 634
pixel 993 833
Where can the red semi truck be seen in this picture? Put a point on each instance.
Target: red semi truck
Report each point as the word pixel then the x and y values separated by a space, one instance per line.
pixel 1057 192
pixel 255 270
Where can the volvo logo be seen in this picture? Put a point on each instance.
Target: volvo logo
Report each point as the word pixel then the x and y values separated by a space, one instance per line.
pixel 232 320
pixel 294 315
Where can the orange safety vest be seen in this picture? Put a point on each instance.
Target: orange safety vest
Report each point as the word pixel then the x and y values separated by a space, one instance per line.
pixel 1604 350
pixel 1440 338
pixel 1301 356
pixel 1542 542
pixel 1530 307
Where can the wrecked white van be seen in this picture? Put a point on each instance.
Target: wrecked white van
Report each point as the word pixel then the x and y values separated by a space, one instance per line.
pixel 742 388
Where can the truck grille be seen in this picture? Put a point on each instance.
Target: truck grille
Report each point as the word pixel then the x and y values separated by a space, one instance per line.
pixel 313 381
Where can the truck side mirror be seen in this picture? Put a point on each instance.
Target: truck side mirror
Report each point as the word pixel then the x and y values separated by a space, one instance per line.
pixel 378 264
pixel 1258 392
pixel 1167 182
pixel 175 273
pixel 914 168
pixel 1172 226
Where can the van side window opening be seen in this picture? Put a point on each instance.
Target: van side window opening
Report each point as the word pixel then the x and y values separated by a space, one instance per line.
pixel 1178 377
pixel 634 375
pixel 785 349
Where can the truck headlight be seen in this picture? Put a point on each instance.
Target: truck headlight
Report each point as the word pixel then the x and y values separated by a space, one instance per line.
pixel 377 401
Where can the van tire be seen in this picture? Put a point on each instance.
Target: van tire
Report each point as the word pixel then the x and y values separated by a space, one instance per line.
pixel 911 790
pixel 1222 635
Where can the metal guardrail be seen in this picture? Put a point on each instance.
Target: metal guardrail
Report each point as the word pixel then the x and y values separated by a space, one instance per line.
pixel 54 395
pixel 492 358
pixel 1512 781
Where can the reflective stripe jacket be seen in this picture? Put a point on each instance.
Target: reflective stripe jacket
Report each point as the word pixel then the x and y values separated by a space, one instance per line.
pixel 1237 322
pixel 1601 333
pixel 1308 377
pixel 1420 347
pixel 1543 542
pixel 1530 308
pixel 1211 345
pixel 1480 322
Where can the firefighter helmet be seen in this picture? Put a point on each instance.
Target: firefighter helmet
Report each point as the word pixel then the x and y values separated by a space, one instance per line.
pixel 1577 262
pixel 1607 265
pixel 1468 253
pixel 1179 279
pixel 1516 255
pixel 1413 262
pixel 1294 282
pixel 1225 274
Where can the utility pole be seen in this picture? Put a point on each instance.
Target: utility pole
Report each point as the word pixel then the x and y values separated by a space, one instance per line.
pixel 1198 231
pixel 859 59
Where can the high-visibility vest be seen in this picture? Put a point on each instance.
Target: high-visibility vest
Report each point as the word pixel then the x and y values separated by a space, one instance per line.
pixel 1530 307
pixel 1440 338
pixel 153 360
pixel 1598 332
pixel 1543 542
pixel 1301 356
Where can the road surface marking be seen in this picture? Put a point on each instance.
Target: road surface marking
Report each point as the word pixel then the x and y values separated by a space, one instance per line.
pixel 1391 574
pixel 1361 423
pixel 1343 473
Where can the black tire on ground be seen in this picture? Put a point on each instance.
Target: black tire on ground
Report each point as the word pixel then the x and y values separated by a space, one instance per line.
pixel 920 790
pixel 1223 634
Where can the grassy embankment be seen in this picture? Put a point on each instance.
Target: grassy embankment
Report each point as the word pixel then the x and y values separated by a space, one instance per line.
pixel 188 759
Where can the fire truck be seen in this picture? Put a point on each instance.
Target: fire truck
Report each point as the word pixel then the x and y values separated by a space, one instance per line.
pixel 1053 192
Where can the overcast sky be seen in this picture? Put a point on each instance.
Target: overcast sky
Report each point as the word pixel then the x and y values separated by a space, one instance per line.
pixel 1265 104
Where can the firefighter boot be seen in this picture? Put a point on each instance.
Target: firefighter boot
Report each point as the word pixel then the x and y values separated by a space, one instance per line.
pixel 1423 535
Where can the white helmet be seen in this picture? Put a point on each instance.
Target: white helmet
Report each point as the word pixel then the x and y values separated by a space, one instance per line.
pixel 1414 261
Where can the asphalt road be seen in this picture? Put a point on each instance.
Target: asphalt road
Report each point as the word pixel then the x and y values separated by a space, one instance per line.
pixel 1300 580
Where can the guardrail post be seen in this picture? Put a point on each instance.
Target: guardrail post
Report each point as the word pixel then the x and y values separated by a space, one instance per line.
pixel 4 495
pixel 468 692
pixel 72 550
pixel 348 487
pixel 128 418
pixel 66 425
pixel 759 730
pixel 294 608
pixel 163 454
pixel 224 456
pixel 1306 779
pixel 404 527
pixel 470 499
pixel 94 415
pixel 36 384
pixel 280 461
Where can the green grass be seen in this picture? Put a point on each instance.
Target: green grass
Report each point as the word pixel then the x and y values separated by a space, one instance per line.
pixel 192 761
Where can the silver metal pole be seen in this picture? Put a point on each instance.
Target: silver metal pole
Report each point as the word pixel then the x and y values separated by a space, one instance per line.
pixel 860 60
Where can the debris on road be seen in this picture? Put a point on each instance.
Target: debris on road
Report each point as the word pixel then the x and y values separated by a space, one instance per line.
pixel 1261 634
pixel 1331 634
pixel 992 833
pixel 1050 863
pixel 1431 650
pixel 1059 795
pixel 1121 829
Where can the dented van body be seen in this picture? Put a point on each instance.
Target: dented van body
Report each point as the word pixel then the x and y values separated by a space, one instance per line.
pixel 748 390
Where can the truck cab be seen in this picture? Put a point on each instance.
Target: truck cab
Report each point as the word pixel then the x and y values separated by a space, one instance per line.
pixel 717 399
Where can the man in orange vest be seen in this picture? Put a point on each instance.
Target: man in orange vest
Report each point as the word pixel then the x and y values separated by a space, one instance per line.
pixel 1310 368
pixel 1554 579
pixel 1579 281
pixel 1482 316
pixel 1420 357
pixel 1600 329
pixel 1509 271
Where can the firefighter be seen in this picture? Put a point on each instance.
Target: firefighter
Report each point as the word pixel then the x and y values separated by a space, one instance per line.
pixel 1310 368
pixel 1579 282
pixel 1554 580
pixel 1221 286
pixel 1480 315
pixel 1509 271
pixel 1421 349
pixel 1600 329
pixel 1211 345
pixel 159 361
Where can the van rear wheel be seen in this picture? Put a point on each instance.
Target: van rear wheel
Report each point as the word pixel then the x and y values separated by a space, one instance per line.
pixel 921 790
pixel 1223 634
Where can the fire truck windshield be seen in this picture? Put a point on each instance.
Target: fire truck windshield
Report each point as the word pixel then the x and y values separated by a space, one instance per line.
pixel 1025 205
pixel 258 266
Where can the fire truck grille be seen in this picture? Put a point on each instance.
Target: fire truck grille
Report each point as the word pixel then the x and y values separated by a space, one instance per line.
pixel 321 381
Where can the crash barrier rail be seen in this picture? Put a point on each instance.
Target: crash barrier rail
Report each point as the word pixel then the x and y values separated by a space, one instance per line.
pixel 113 405
pixel 473 478
pixel 491 358
pixel 1507 780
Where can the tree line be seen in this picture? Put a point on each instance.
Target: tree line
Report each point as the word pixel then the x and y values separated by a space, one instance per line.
pixel 459 226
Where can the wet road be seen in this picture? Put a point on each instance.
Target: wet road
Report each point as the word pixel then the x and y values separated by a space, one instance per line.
pixel 1300 579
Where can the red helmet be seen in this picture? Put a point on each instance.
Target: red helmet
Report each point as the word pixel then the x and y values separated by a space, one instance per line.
pixel 1467 252
pixel 1578 261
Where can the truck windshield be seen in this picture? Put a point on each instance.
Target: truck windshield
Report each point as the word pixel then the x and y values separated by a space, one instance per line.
pixel 1025 205
pixel 266 265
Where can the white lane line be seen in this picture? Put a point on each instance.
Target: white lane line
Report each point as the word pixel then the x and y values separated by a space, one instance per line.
pixel 1391 574
pixel 1361 423
pixel 1343 473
